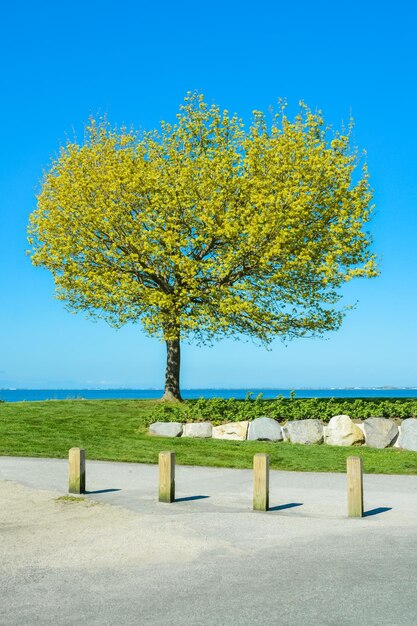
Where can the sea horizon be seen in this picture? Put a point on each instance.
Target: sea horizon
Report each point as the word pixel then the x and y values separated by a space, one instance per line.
pixel 21 394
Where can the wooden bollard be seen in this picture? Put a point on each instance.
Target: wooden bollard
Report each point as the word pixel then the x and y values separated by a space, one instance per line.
pixel 261 482
pixel 76 461
pixel 355 486
pixel 166 476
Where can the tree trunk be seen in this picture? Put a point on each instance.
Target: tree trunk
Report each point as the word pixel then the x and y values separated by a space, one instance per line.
pixel 172 374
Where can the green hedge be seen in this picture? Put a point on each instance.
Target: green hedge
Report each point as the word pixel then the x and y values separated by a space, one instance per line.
pixel 231 410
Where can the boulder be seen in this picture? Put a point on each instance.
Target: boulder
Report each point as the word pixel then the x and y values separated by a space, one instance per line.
pixel 341 431
pixel 198 429
pixel 408 436
pixel 361 426
pixel 304 431
pixel 396 443
pixel 380 432
pixel 234 430
pixel 166 429
pixel 264 429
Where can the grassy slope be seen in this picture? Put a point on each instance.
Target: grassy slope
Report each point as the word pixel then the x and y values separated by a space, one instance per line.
pixel 116 430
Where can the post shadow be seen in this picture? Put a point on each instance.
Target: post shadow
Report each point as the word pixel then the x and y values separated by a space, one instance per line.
pixel 282 507
pixel 189 498
pixel 102 491
pixel 377 511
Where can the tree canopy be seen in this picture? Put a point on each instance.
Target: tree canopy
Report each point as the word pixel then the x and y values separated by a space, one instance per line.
pixel 206 228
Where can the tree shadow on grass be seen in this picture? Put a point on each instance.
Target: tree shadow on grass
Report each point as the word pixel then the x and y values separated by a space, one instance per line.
pixel 381 509
pixel 282 507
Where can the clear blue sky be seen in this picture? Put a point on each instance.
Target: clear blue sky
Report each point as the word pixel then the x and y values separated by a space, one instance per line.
pixel 60 62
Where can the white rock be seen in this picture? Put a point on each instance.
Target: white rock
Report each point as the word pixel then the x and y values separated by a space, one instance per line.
pixel 309 431
pixel 341 431
pixel 408 439
pixel 264 429
pixel 166 429
pixel 397 441
pixel 198 429
pixel 285 434
pixel 380 432
pixel 361 426
pixel 234 430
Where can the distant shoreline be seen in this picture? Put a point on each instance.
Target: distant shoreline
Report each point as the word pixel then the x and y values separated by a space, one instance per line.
pixel 32 395
pixel 248 389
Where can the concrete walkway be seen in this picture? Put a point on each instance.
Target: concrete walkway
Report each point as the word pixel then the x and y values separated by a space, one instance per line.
pixel 208 558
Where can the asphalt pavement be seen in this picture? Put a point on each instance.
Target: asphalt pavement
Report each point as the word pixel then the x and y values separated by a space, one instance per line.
pixel 302 562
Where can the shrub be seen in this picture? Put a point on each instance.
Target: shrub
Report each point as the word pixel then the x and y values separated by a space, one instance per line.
pixel 220 410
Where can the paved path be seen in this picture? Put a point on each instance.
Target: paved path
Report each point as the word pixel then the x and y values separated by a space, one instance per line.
pixel 207 558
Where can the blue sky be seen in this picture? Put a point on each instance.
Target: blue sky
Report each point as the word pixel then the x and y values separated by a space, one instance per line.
pixel 61 62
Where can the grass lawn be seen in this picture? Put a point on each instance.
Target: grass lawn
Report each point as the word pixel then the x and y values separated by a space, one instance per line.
pixel 116 430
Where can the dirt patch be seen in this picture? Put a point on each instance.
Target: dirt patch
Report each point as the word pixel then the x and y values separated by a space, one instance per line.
pixel 38 529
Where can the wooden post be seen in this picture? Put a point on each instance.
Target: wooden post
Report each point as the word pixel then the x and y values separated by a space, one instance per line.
pixel 166 476
pixel 355 486
pixel 76 459
pixel 261 482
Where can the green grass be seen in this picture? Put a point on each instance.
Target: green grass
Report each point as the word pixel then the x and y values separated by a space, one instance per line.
pixel 68 499
pixel 116 430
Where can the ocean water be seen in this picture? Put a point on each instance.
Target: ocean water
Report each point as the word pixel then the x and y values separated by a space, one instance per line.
pixel 21 395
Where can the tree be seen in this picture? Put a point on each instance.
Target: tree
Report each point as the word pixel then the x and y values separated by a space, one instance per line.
pixel 206 229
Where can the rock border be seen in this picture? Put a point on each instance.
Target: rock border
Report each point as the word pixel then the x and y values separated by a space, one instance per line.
pixel 341 430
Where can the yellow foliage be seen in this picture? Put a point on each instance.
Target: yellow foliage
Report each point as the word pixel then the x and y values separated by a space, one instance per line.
pixel 205 228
